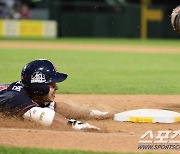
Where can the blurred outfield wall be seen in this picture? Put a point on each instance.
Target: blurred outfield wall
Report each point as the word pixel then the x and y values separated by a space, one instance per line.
pixel 28 28
pixel 95 18
pixel 90 19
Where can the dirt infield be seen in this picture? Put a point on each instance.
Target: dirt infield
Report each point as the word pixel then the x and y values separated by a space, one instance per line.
pixel 115 136
pixel 92 47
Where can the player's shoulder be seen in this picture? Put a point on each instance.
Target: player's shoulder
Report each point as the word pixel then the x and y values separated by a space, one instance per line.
pixel 13 91
pixel 16 87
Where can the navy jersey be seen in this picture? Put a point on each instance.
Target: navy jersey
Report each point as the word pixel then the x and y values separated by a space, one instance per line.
pixel 14 99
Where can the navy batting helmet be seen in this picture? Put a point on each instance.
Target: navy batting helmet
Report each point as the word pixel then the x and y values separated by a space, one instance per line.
pixel 37 74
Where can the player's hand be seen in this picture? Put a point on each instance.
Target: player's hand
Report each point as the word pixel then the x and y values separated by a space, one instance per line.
pixel 84 126
pixel 101 115
pixel 175 19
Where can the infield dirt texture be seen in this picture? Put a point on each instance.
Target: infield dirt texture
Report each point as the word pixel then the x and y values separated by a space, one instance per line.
pixel 115 136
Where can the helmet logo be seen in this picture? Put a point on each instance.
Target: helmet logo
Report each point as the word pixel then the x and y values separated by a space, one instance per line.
pixel 38 77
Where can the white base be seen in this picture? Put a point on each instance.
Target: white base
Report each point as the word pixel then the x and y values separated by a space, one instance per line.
pixel 148 115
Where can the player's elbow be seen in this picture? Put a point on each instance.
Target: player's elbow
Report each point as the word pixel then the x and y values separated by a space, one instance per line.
pixel 44 116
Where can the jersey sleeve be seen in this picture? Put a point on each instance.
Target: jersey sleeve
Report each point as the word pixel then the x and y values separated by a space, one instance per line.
pixel 23 104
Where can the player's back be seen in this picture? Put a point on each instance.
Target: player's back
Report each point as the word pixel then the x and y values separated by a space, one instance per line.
pixel 14 99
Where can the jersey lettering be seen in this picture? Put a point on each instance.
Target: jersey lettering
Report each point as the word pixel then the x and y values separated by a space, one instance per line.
pixel 17 88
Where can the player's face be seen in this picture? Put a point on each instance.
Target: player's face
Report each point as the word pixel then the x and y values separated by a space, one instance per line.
pixel 52 91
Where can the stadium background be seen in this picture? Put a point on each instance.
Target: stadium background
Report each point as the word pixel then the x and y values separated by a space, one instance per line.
pixel 108 48
pixel 97 18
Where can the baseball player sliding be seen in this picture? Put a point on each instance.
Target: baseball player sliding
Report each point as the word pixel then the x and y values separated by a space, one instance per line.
pixel 33 97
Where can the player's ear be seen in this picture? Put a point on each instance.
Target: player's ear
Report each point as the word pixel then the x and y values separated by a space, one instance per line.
pixel 38 89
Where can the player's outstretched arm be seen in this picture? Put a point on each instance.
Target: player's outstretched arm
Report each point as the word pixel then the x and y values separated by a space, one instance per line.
pixel 79 113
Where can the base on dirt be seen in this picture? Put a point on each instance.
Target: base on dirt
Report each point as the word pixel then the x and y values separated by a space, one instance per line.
pixel 148 115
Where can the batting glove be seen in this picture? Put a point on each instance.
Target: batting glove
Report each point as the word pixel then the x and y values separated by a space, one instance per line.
pixel 79 125
pixel 98 113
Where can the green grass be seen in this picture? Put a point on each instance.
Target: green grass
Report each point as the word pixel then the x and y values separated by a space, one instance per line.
pixel 15 150
pixel 101 73
pixel 109 41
